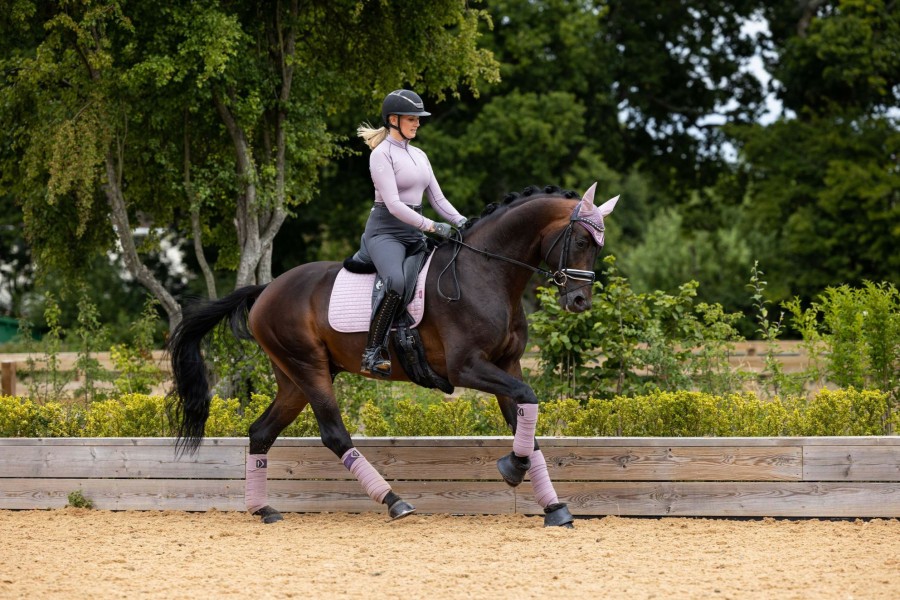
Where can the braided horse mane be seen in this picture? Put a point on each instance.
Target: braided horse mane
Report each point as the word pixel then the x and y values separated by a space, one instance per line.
pixel 495 209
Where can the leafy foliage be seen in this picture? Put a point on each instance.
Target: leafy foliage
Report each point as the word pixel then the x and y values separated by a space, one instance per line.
pixel 667 414
pixel 47 383
pixel 860 331
pixel 137 374
pixel 629 343
pixel 77 500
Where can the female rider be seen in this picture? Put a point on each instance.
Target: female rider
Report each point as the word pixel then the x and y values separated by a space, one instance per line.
pixel 401 173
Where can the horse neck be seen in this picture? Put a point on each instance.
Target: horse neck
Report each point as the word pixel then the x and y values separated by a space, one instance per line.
pixel 519 234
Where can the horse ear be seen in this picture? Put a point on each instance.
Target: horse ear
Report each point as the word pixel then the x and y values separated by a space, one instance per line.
pixel 608 206
pixel 588 198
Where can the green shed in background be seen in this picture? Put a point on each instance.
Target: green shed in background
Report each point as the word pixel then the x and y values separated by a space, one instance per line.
pixel 9 328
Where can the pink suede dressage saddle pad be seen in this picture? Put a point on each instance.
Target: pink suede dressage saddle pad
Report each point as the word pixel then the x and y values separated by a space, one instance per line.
pixel 350 309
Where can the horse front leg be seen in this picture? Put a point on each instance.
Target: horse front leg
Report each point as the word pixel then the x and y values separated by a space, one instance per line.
pixel 519 406
pixel 556 513
pixel 515 465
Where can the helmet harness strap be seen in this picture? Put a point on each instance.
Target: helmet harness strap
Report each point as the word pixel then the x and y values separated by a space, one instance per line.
pixel 397 126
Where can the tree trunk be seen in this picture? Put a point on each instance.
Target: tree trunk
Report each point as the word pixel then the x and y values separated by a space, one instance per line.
pixel 246 215
pixel 257 226
pixel 138 270
pixel 808 10
pixel 197 234
pixel 196 229
pixel 264 269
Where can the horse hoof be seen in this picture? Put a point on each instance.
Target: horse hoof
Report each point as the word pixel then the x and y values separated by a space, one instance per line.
pixel 268 515
pixel 400 509
pixel 513 468
pixel 558 515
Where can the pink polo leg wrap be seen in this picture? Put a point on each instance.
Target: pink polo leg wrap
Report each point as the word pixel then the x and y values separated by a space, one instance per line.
pixel 374 484
pixel 255 482
pixel 526 423
pixel 544 494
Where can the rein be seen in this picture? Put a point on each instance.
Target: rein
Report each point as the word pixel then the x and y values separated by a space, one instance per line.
pixel 559 277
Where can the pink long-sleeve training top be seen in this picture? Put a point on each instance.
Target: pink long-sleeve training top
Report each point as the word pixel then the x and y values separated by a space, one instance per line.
pixel 401 174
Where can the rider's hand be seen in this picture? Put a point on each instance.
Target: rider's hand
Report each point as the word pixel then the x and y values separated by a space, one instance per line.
pixel 461 223
pixel 442 229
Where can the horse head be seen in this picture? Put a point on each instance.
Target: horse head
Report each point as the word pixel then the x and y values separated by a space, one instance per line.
pixel 575 249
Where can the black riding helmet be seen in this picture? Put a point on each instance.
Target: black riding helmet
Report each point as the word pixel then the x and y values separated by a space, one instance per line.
pixel 402 102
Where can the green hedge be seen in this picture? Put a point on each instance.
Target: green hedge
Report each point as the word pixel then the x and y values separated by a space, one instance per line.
pixel 132 415
pixel 663 414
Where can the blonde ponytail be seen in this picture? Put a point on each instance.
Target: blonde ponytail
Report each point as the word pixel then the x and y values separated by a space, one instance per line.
pixel 371 136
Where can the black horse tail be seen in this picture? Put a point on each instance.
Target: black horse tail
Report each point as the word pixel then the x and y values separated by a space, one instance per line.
pixel 189 402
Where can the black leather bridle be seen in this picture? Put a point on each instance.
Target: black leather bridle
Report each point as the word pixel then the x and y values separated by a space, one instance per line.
pixel 560 277
pixel 562 274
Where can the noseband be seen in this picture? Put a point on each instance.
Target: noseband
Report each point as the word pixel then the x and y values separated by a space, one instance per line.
pixel 560 277
pixel 563 274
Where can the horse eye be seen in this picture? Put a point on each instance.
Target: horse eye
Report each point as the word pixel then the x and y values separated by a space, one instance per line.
pixel 580 244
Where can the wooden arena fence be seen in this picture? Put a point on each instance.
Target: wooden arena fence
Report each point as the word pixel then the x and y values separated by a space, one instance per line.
pixel 712 477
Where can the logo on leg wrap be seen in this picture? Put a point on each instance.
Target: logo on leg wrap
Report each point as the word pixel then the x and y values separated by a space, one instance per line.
pixel 262 463
pixel 350 457
pixel 521 412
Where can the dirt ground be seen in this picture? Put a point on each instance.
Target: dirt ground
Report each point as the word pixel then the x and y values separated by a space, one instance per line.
pixel 80 553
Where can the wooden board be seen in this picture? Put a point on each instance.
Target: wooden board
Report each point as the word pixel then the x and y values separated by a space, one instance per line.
pixel 128 461
pixel 469 497
pixel 287 496
pixel 565 464
pixel 851 463
pixel 737 499
pixel 700 499
pixel 714 477
pixel 125 494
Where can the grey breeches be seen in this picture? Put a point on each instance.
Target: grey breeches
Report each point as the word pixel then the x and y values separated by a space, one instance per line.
pixel 387 239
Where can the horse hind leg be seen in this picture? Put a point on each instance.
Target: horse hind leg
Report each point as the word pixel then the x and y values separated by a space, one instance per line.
pixel 317 387
pixel 336 438
pixel 288 402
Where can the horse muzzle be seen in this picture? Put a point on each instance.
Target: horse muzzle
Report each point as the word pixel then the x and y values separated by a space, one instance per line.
pixel 575 302
pixel 575 289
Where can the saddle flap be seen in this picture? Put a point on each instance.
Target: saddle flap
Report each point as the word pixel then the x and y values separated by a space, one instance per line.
pixel 350 307
pixel 412 266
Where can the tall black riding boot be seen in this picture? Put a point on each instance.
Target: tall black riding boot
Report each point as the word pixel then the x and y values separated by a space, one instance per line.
pixel 375 357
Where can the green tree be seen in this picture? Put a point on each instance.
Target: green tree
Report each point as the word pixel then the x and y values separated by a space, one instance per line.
pixel 671 253
pixel 835 57
pixel 649 75
pixel 823 196
pixel 206 118
pixel 821 185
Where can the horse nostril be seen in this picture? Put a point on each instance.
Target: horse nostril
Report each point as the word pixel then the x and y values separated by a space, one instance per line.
pixel 580 302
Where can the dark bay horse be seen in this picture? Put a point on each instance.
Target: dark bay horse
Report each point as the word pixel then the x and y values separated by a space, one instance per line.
pixel 474 341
